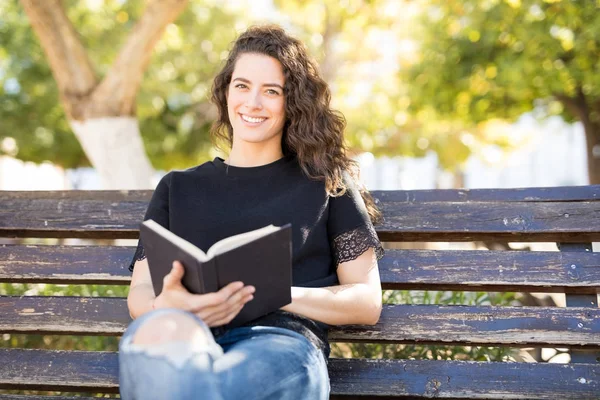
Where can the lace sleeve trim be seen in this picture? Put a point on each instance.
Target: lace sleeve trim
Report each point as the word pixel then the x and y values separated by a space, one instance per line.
pixel 139 255
pixel 349 245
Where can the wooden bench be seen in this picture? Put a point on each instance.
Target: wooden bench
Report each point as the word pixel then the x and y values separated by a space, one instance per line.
pixel 569 216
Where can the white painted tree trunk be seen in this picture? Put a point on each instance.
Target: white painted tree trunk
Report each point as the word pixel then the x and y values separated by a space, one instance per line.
pixel 114 147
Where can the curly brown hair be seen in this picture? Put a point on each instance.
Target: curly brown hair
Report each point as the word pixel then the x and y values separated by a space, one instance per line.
pixel 313 132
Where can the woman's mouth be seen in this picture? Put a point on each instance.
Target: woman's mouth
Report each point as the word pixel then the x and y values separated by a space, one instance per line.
pixel 252 121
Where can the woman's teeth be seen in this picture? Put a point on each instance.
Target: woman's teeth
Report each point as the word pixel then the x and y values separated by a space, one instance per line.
pixel 252 119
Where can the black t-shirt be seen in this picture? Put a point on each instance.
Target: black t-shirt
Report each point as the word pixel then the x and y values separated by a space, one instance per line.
pixel 214 200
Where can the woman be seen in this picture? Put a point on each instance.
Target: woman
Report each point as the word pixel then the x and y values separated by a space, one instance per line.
pixel 287 164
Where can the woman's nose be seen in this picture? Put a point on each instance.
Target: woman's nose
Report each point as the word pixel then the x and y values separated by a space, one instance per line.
pixel 253 100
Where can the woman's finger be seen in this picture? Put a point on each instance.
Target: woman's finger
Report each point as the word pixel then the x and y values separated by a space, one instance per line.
pixel 218 301
pixel 226 318
pixel 222 314
pixel 173 278
pixel 217 298
pixel 226 306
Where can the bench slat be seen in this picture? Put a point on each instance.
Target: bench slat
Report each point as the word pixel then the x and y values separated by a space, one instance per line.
pixel 484 325
pixel 59 370
pixel 464 379
pixel 98 371
pixel 529 194
pixel 512 222
pixel 400 269
pixel 482 270
pixel 534 194
pixel 91 265
pixel 30 215
pixel 479 325
pixel 93 215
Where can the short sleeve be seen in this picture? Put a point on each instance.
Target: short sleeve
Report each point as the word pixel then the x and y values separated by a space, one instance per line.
pixel 349 227
pixel 158 210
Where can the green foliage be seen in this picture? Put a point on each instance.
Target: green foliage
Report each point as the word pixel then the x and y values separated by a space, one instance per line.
pixel 397 101
pixel 483 59
pixel 369 44
pixel 172 101
pixel 29 107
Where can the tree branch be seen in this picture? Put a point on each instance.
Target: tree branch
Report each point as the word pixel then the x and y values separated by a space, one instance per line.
pixel 68 59
pixel 124 77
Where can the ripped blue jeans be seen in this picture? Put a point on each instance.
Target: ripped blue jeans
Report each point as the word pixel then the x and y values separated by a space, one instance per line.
pixel 250 363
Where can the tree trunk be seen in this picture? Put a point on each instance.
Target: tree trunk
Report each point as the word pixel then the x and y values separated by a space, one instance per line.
pixel 115 149
pixel 592 140
pixel 102 113
pixel 586 110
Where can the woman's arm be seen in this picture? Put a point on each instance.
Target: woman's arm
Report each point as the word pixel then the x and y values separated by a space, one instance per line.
pixel 356 300
pixel 141 292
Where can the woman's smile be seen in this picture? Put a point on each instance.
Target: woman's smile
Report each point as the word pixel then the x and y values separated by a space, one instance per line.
pixel 252 121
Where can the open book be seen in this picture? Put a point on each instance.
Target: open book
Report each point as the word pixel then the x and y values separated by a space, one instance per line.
pixel 262 258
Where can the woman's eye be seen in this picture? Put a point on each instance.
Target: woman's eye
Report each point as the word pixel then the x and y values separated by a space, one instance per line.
pixel 273 92
pixel 240 86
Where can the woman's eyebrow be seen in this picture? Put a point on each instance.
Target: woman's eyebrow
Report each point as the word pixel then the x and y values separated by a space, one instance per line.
pixel 266 84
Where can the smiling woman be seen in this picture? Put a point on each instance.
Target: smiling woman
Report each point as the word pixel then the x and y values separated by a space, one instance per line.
pixel 287 164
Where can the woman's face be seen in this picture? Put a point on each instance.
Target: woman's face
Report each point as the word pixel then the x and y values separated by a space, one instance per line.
pixel 255 99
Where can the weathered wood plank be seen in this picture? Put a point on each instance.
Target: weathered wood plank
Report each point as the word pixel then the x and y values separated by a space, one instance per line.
pixel 464 379
pixel 35 216
pixel 533 194
pixel 399 269
pixel 64 315
pixel 528 194
pixel 432 324
pixel 24 214
pixel 98 371
pixel 478 325
pixel 59 370
pixel 513 222
pixel 66 264
pixel 474 270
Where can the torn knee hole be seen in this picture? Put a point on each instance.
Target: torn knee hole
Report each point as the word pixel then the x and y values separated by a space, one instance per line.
pixel 169 328
pixel 174 337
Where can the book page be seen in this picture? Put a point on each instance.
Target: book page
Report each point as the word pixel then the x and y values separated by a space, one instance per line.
pixel 179 241
pixel 229 243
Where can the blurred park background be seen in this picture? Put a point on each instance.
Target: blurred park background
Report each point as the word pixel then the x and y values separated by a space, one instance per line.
pixel 111 94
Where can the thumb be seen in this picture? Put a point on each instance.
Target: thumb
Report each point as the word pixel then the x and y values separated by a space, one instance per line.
pixel 173 278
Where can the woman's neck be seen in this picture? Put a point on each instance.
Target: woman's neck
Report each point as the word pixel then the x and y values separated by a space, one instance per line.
pixel 249 158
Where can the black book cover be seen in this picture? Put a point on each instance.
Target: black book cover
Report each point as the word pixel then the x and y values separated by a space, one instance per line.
pixel 265 263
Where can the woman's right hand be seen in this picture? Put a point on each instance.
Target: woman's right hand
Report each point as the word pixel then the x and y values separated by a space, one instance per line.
pixel 215 309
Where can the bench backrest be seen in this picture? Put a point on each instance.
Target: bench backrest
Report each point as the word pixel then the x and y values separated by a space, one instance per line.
pixel 568 216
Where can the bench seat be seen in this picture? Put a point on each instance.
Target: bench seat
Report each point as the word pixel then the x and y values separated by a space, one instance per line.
pixel 567 216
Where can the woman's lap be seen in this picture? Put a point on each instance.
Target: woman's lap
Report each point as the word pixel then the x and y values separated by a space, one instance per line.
pixel 248 362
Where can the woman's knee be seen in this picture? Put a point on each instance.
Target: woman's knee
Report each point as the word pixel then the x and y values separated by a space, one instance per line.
pixel 173 335
pixel 169 327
